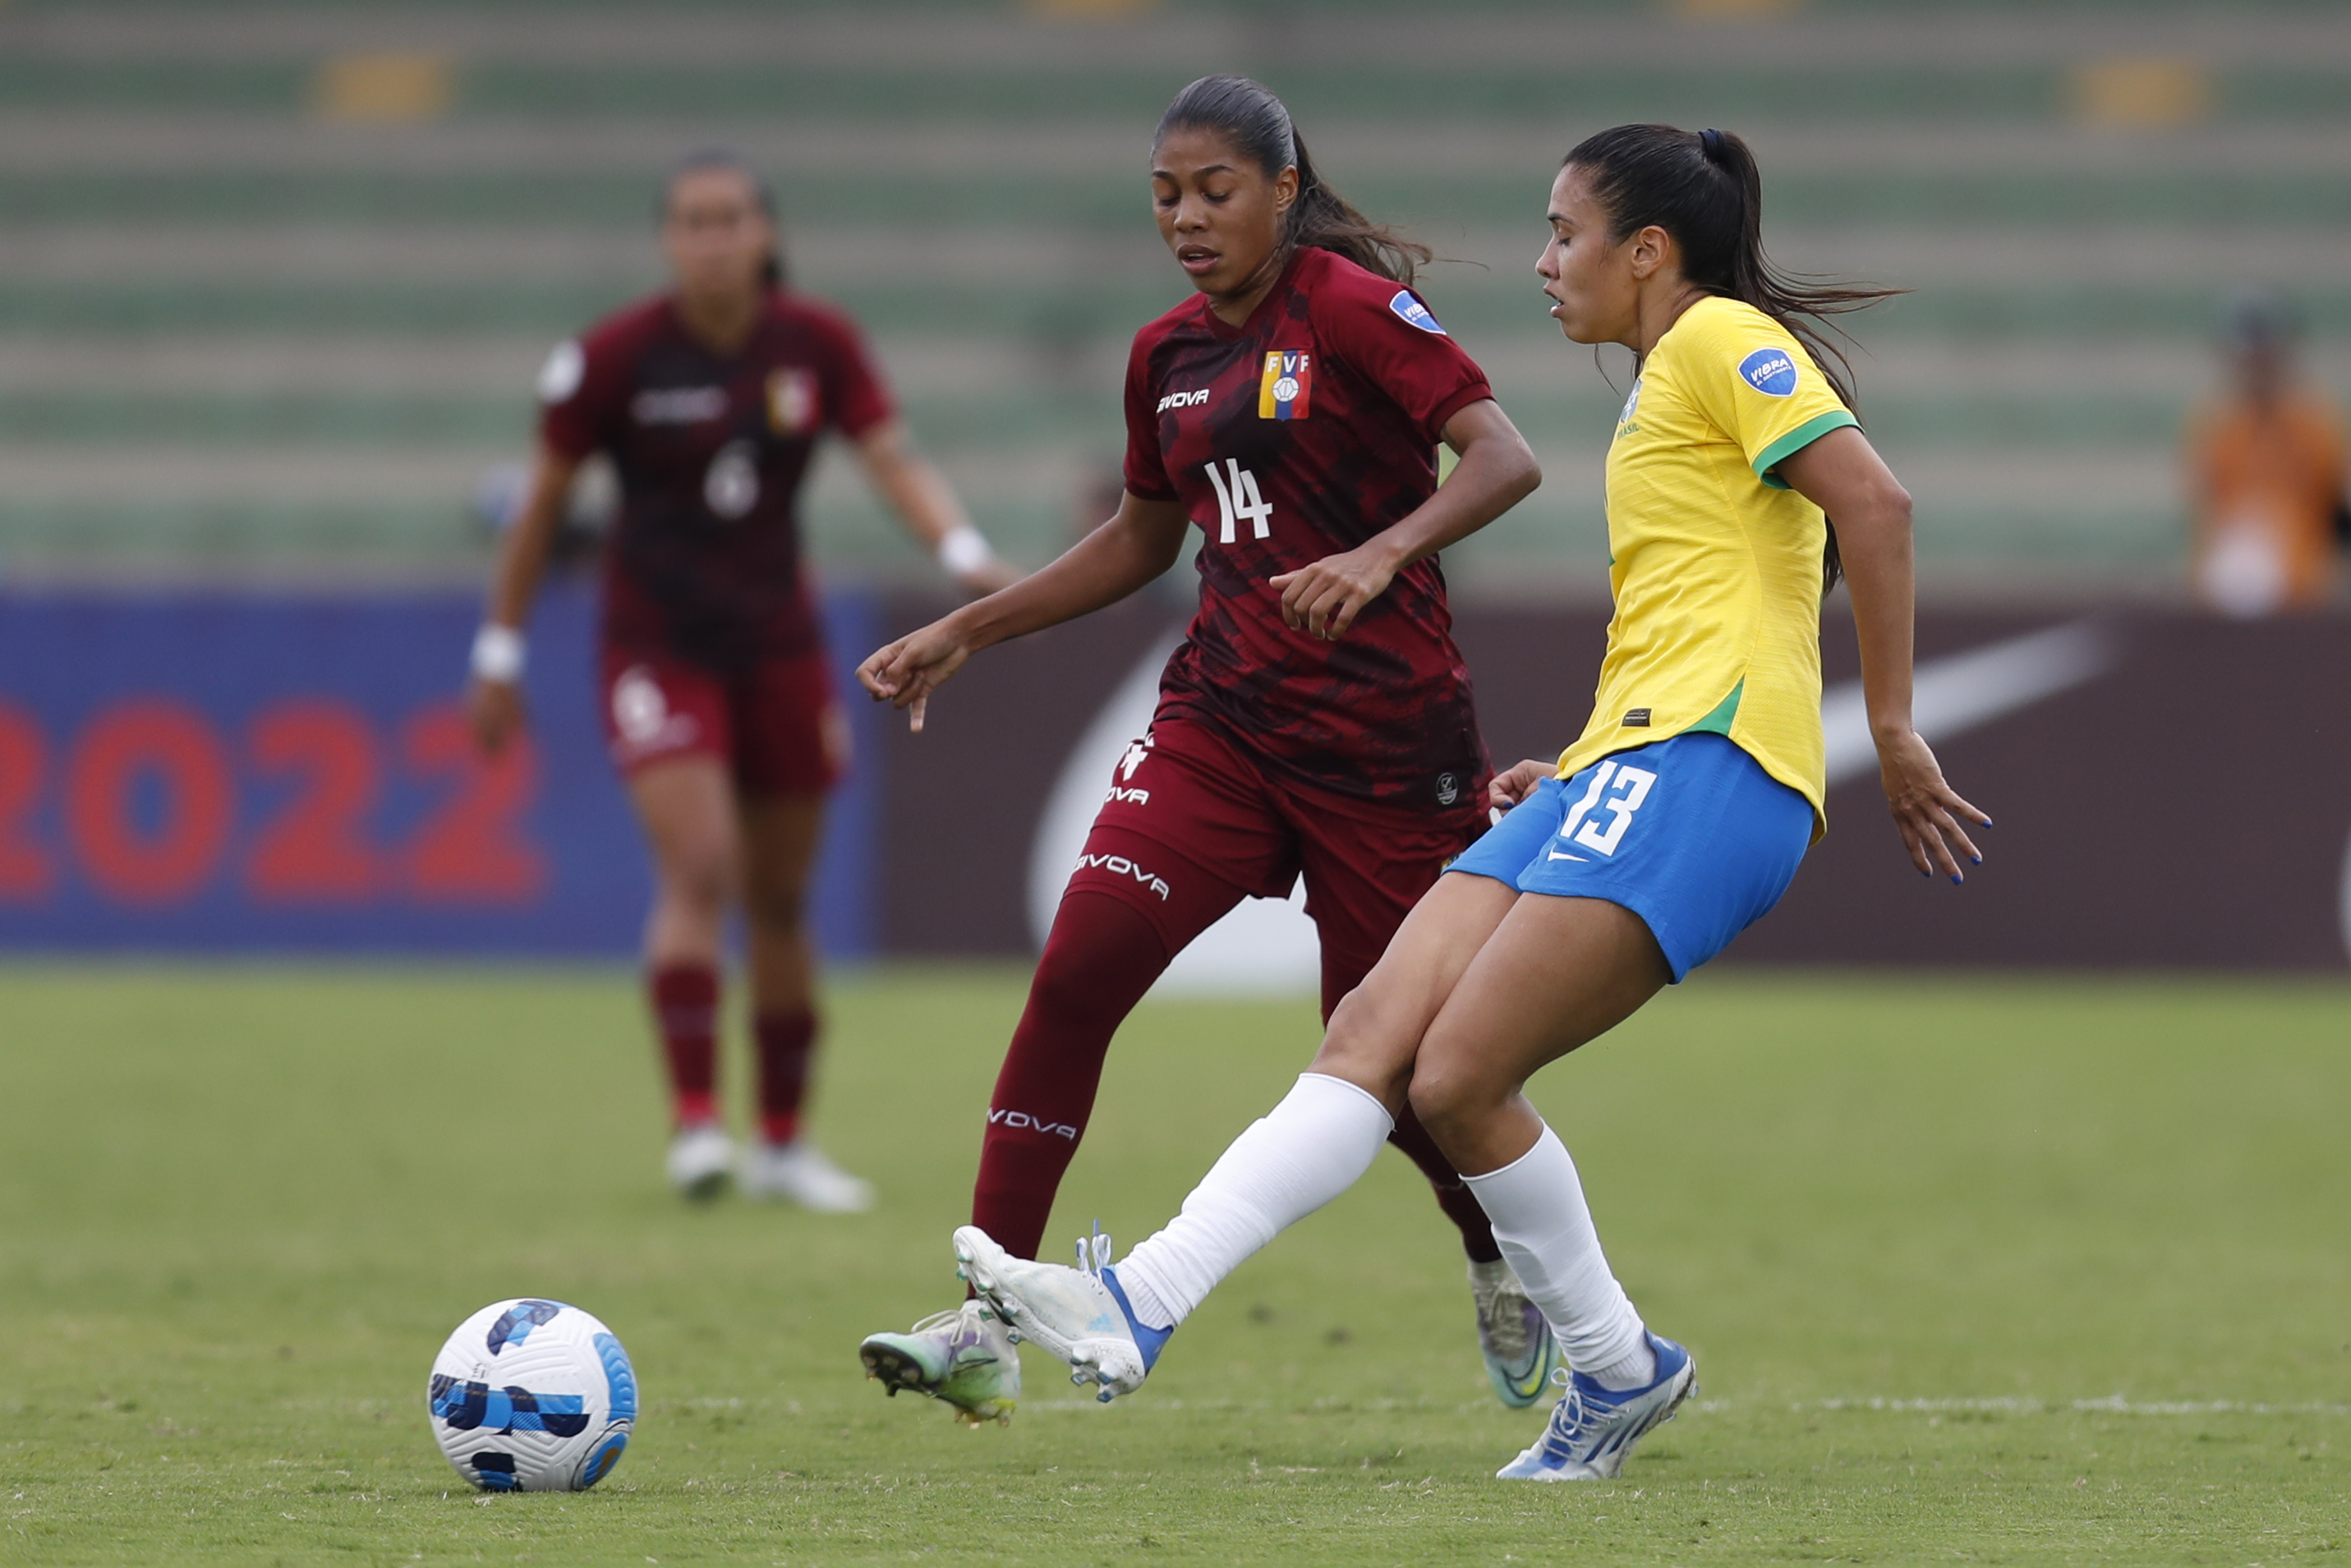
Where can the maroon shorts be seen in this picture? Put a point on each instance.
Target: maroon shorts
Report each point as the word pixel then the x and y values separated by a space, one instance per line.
pixel 774 723
pixel 1192 824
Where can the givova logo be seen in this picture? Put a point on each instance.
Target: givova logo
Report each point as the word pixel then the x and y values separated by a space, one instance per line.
pixel 1023 1122
pixel 1770 371
pixel 1120 866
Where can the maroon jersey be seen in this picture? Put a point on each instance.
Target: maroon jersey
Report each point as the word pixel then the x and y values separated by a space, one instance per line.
pixel 1297 436
pixel 704 557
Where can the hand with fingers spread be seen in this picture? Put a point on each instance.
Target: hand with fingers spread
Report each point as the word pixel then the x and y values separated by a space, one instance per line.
pixel 908 671
pixel 1516 783
pixel 1927 810
pixel 1323 599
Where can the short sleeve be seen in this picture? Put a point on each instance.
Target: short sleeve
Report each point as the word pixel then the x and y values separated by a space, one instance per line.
pixel 1146 467
pixel 581 389
pixel 1389 335
pixel 1750 376
pixel 858 397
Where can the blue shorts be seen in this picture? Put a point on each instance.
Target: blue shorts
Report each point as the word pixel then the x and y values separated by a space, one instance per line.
pixel 1691 834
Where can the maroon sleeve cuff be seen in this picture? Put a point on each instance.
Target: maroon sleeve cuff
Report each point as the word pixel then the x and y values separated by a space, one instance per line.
pixel 1478 391
pixel 1150 493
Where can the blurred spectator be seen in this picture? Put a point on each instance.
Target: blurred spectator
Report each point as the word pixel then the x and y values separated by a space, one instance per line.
pixel 2266 469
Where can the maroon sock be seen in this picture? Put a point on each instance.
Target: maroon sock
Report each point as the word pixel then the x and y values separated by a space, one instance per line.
pixel 1453 1195
pixel 786 1041
pixel 1099 959
pixel 686 1010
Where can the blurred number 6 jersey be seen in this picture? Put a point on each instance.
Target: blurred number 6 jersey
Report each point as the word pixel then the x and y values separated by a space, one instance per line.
pixel 1299 435
pixel 711 450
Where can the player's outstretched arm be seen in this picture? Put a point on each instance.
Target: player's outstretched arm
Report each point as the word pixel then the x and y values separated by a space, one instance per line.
pixel 930 508
pixel 494 695
pixel 1496 470
pixel 1138 544
pixel 1843 475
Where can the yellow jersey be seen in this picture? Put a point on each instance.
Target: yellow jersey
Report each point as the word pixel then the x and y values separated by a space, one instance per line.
pixel 1714 562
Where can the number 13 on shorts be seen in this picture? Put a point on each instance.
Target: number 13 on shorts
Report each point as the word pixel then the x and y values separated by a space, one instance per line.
pixel 1598 821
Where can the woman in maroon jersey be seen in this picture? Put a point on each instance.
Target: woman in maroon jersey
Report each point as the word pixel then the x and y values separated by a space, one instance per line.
pixel 709 399
pixel 1316 720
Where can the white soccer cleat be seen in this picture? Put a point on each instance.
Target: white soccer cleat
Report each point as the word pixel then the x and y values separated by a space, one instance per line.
pixel 700 1160
pixel 1080 1315
pixel 1520 1351
pixel 799 1171
pixel 1592 1428
pixel 962 1357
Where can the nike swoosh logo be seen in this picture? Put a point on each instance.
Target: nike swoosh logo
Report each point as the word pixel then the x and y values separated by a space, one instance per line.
pixel 1959 693
pixel 1557 856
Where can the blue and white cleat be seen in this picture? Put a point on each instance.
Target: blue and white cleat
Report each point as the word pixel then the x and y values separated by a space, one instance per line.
pixel 1080 1315
pixel 1520 1354
pixel 1592 1428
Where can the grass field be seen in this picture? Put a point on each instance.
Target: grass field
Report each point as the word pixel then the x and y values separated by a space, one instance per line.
pixel 1983 1270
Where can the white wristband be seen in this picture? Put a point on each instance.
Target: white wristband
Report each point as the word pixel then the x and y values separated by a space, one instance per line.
pixel 964 550
pixel 497 654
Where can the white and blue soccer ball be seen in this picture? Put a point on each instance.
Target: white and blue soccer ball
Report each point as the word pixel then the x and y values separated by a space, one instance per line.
pixel 532 1395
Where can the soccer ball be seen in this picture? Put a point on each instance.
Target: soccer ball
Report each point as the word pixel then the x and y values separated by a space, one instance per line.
pixel 531 1395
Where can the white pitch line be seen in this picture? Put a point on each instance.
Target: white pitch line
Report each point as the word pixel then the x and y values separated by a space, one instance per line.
pixel 2112 1405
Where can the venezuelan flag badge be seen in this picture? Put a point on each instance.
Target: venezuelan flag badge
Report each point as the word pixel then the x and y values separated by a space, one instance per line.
pixel 1288 385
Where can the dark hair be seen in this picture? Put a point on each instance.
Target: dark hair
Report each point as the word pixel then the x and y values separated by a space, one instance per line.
pixel 1262 132
pixel 2257 319
pixel 702 160
pixel 1704 189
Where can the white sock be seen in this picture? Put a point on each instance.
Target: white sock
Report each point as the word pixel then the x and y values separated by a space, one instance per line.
pixel 1545 1229
pixel 1304 1153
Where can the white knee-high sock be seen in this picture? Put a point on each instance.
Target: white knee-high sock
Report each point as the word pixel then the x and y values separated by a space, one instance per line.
pixel 1545 1229
pixel 1304 1153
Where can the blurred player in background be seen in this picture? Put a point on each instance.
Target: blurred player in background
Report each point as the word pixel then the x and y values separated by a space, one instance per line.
pixel 1676 820
pixel 1316 720
pixel 709 399
pixel 2265 463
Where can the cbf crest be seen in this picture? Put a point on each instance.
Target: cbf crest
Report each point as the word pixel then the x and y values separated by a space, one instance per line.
pixel 1287 389
pixel 792 407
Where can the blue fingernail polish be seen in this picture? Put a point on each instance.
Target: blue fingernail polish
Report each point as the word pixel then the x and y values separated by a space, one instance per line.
pixel 1978 859
pixel 1956 879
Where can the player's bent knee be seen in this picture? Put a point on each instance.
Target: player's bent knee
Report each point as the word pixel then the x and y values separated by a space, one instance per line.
pixel 1365 1047
pixel 701 877
pixel 1452 1094
pixel 1099 956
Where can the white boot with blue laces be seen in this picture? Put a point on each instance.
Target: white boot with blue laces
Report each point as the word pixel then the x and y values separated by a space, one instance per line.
pixel 1592 1428
pixel 1080 1316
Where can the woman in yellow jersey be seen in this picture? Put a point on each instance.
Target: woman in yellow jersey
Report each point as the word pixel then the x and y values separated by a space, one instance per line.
pixel 1675 821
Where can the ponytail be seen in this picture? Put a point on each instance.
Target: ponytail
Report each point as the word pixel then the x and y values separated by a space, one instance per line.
pixel 1705 189
pixel 1260 129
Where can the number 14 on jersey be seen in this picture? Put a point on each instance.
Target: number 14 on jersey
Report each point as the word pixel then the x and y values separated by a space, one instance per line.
pixel 1237 498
